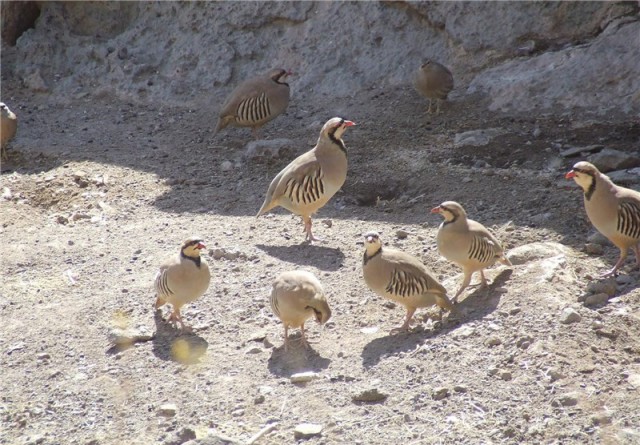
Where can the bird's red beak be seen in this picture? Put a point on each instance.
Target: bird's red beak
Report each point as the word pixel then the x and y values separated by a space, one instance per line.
pixel 570 175
pixel 435 210
pixel 349 123
pixel 201 246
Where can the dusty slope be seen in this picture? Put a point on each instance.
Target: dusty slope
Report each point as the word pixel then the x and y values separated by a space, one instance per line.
pixel 100 191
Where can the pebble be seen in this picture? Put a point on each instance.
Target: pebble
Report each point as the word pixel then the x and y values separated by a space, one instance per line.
pixel 609 159
pixel 43 356
pixel 505 375
pixel 460 388
pixel 593 249
pixel 61 219
pixel 307 430
pixel 596 299
pixel 127 336
pixel 624 279
pixel 464 332
pixel 569 316
pixel 258 400
pixel 402 234
pixel 569 399
pixel 601 418
pixel 598 238
pixel 168 410
pixel 304 377
pixel 493 341
pixel 440 393
pixel 253 350
pixel 226 166
pixel 6 194
pixel 608 286
pixel 34 439
pixel 370 395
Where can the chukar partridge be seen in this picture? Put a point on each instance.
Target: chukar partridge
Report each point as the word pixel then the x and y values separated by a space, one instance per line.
pixel 297 296
pixel 256 101
pixel 613 210
pixel 467 243
pixel 182 279
pixel 402 278
pixel 310 180
pixel 9 125
pixel 434 81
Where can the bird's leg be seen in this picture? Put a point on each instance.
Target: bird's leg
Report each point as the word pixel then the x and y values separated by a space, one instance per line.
pixel 307 230
pixel 636 249
pixel 438 106
pixel 286 337
pixel 255 131
pixel 465 283
pixel 407 320
pixel 613 272
pixel 484 280
pixel 429 108
pixel 303 338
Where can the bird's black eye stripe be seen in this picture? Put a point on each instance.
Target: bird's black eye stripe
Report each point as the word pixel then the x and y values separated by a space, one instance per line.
pixel 583 171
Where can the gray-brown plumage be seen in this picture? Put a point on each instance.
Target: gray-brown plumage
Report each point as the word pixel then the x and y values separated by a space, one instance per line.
pixel 613 210
pixel 8 127
pixel 297 296
pixel 467 243
pixel 434 81
pixel 256 101
pixel 310 180
pixel 182 279
pixel 402 278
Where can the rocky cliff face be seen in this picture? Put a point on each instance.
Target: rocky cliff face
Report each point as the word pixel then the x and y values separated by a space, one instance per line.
pixel 523 56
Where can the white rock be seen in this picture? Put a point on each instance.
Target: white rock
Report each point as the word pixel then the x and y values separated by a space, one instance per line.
pixel 569 315
pixel 168 410
pixel 476 138
pixel 267 148
pixel 226 166
pixel 535 251
pixel 303 377
pixel 307 430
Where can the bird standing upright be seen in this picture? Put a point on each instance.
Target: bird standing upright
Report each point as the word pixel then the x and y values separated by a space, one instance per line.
pixel 613 210
pixel 256 101
pixel 296 296
pixel 182 279
pixel 434 81
pixel 467 243
pixel 310 180
pixel 8 127
pixel 402 278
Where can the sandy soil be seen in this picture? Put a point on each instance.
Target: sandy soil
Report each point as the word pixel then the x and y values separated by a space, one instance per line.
pixel 97 193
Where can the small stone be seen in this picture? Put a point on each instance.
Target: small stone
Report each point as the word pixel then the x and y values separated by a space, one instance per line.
pixel 569 316
pixel 464 332
pixel 226 166
pixel 127 336
pixel 460 388
pixel 402 234
pixel 253 350
pixel 371 395
pixel 6 194
pixel 258 400
pixel 634 380
pixel 515 311
pixel 78 216
pixel 440 393
pixel 168 410
pixel 611 334
pixel 61 219
pixel 35 439
pixel 598 238
pixel 554 375
pixel 596 299
pixel 505 375
pixel 43 356
pixel 304 377
pixel 569 399
pixel 327 222
pixel 608 286
pixel 493 341
pixel 307 430
pixel 601 418
pixel 593 249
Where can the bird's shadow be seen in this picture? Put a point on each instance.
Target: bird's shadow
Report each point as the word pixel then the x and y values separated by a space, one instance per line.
pixel 475 306
pixel 169 343
pixel 322 257
pixel 296 359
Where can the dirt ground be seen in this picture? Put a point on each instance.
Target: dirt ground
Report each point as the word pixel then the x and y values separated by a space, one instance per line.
pixel 97 192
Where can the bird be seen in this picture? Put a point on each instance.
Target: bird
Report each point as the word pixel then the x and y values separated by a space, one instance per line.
pixel 9 125
pixel 434 81
pixel 296 296
pixel 613 210
pixel 182 279
pixel 401 277
pixel 467 243
pixel 256 101
pixel 310 180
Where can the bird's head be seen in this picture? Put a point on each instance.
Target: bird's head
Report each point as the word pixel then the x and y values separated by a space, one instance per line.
pixel 335 127
pixel 6 112
pixel 192 246
pixel 426 64
pixel 322 313
pixel 372 242
pixel 450 210
pixel 584 173
pixel 279 75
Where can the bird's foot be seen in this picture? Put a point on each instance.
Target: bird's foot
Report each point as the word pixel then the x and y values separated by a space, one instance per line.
pixel 610 273
pixel 401 330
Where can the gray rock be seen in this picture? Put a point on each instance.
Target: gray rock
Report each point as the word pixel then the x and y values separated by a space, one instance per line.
pixel 608 286
pixel 596 299
pixel 460 388
pixel 625 178
pixel 307 430
pixel 608 160
pixel 226 166
pixel 268 148
pixel 569 316
pixel 440 393
pixel 370 395
pixel 574 151
pixel 476 138
pixel 493 341
pixel 601 418
pixel 535 251
pixel 505 375
pixel 598 238
pixel 168 410
pixel 568 399
pixel 128 336
pixel 593 248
